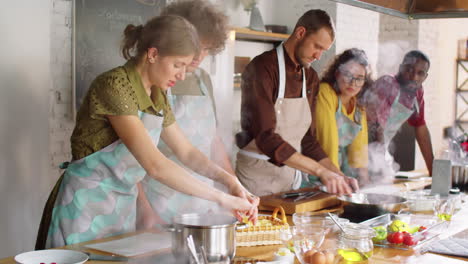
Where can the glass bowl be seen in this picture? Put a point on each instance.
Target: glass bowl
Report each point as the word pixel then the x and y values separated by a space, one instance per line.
pixel 306 240
pixel 311 219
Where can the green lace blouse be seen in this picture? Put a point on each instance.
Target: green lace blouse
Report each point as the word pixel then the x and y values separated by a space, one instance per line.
pixel 119 91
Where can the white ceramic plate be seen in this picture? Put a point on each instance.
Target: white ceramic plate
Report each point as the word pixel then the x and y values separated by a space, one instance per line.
pixel 58 256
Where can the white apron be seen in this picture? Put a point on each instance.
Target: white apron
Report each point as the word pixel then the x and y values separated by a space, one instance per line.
pixel 293 120
pixel 398 115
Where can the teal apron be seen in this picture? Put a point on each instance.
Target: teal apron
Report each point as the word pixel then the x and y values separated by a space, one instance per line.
pixel 97 197
pixel 196 118
pixel 347 132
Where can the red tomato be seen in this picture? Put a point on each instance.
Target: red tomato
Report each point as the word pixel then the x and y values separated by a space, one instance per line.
pixel 396 238
pixel 464 146
pixel 409 240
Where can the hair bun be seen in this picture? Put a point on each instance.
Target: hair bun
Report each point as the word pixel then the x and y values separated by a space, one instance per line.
pixel 133 31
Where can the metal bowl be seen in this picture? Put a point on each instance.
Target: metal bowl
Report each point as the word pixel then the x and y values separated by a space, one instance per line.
pixel 362 206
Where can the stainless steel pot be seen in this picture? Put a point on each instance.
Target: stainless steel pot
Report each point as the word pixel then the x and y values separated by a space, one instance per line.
pixel 215 232
pixel 362 206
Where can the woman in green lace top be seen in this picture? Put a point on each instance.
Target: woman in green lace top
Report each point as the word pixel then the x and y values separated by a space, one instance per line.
pixel 118 127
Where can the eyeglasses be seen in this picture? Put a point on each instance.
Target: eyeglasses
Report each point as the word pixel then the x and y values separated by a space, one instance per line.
pixel 349 78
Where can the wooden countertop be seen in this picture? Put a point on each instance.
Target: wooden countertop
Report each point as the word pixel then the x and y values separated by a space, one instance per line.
pixel 458 228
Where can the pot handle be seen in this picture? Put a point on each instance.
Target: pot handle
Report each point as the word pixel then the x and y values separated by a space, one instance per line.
pixel 166 227
pixel 283 214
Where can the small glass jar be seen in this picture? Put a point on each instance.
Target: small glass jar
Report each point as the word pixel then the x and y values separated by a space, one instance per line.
pixel 355 243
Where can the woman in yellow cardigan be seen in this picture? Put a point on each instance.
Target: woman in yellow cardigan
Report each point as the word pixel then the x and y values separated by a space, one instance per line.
pixel 341 125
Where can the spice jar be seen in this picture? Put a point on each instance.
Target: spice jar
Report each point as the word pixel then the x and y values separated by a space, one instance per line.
pixel 355 242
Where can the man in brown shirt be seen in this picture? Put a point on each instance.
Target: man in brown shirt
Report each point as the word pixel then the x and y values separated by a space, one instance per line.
pixel 279 90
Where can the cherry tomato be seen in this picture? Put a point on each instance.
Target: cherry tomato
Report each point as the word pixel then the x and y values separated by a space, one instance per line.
pixel 464 146
pixel 390 237
pixel 396 238
pixel 409 240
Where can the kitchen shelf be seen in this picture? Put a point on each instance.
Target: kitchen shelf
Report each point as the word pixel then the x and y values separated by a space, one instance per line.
pixel 259 36
pixel 461 87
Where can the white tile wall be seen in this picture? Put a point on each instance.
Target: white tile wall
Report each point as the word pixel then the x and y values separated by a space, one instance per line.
pixel 357 28
pixel 60 95
pixel 396 37
pixel 427 43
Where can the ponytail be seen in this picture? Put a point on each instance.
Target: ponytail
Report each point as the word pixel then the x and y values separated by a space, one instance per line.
pixel 132 35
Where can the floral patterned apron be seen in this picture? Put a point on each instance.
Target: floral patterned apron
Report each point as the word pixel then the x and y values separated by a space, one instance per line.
pixel 97 197
pixel 347 132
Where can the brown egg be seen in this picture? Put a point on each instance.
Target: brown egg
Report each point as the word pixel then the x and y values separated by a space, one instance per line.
pixel 318 258
pixel 308 256
pixel 329 256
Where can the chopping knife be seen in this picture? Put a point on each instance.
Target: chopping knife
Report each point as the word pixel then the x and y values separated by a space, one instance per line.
pixel 293 194
pixel 93 256
pixel 306 196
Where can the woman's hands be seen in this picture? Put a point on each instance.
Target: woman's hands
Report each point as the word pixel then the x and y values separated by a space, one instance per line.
pixel 235 204
pixel 236 189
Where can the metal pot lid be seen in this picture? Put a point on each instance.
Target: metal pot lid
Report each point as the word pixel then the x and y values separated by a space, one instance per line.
pixel 205 220
pixel 372 198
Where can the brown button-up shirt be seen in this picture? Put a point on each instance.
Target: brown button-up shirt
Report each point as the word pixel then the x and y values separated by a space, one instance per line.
pixel 260 82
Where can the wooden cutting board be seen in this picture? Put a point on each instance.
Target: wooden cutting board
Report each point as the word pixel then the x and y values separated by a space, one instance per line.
pixel 318 202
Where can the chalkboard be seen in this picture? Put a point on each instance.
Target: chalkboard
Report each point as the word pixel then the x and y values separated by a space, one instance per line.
pixel 98 31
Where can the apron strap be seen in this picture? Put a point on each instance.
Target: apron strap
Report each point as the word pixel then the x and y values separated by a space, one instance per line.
pixel 303 83
pixel 282 74
pixel 416 105
pixel 282 71
pixel 253 154
pixel 202 85
pixel 339 105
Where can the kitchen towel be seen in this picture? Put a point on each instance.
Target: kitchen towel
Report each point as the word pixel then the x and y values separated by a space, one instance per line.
pixel 450 246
